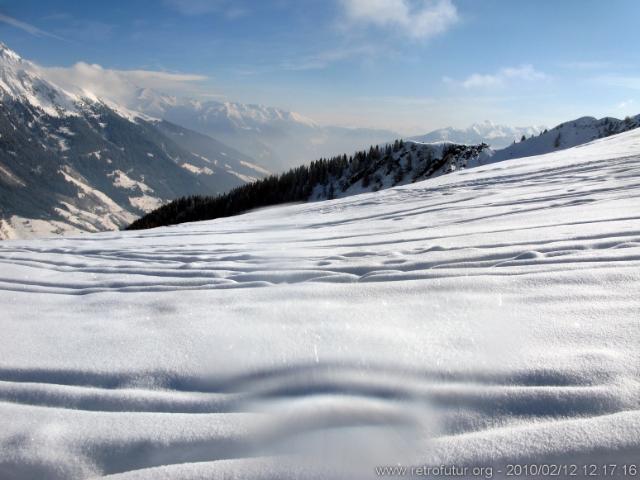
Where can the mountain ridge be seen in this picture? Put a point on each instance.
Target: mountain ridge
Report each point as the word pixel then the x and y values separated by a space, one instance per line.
pixel 566 135
pixel 71 162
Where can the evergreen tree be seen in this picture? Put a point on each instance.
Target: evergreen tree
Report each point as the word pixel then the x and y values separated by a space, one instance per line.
pixel 366 180
pixel 556 143
pixel 408 165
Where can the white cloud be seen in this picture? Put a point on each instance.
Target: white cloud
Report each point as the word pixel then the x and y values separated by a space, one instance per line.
pixel 418 19
pixel 501 78
pixel 119 85
pixel 26 27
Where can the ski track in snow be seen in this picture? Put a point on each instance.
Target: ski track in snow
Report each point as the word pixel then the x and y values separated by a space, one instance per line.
pixel 486 317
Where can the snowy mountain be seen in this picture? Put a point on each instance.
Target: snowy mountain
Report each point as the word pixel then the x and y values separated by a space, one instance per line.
pixel 478 319
pixel 72 162
pixel 566 135
pixel 366 171
pixel 496 136
pixel 276 138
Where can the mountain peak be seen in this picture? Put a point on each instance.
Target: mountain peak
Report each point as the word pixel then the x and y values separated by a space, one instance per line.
pixel 8 56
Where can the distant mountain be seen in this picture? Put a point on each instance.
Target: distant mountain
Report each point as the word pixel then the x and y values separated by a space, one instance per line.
pixel 496 136
pixel 276 138
pixel 567 135
pixel 365 171
pixel 71 162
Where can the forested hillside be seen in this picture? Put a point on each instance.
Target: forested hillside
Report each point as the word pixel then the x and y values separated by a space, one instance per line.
pixel 375 169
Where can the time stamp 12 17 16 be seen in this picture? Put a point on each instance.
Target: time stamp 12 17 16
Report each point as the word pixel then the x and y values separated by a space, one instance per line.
pixel 573 470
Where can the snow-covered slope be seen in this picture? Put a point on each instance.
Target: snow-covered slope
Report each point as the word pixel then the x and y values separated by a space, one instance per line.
pixel 407 162
pixel 481 318
pixel 496 136
pixel 566 135
pixel 71 162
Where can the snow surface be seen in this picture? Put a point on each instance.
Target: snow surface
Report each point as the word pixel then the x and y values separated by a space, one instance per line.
pixel 197 170
pixel 479 318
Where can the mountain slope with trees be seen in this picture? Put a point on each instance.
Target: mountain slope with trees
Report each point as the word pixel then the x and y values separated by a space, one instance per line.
pixel 379 167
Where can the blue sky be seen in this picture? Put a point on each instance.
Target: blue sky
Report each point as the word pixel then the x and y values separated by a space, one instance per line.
pixel 408 65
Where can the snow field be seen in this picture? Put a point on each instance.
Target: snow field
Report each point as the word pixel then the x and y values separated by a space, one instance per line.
pixel 485 317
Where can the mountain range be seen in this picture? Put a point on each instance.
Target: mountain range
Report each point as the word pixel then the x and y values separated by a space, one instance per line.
pixel 72 162
pixel 494 135
pixel 276 138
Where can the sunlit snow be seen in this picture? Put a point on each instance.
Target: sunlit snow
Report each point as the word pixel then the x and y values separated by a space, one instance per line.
pixel 484 317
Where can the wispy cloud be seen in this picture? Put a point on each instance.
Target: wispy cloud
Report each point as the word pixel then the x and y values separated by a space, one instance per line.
pixel 120 85
pixel 229 9
pixel 325 58
pixel 500 78
pixel 419 19
pixel 194 7
pixel 27 27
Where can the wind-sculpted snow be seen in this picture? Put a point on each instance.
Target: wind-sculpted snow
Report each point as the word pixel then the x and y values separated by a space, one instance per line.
pixel 482 318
